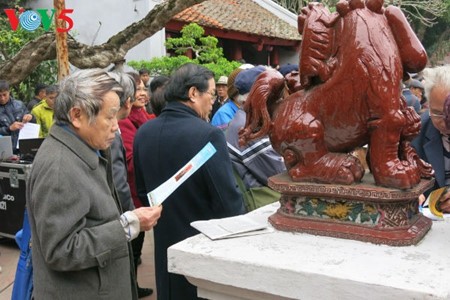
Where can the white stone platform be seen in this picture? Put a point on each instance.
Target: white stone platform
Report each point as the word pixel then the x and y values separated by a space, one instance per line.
pixel 285 265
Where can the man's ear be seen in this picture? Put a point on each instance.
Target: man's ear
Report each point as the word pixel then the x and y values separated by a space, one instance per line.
pixel 192 93
pixel 127 103
pixel 75 114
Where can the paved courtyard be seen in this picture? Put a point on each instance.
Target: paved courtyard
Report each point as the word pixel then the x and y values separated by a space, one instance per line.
pixel 9 254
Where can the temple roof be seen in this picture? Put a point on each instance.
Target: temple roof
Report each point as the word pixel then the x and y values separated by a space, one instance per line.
pixel 243 16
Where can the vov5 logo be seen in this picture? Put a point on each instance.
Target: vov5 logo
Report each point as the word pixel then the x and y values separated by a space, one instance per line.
pixel 30 20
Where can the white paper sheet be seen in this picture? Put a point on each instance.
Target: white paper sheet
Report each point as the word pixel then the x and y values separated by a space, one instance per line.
pixel 158 195
pixel 29 131
pixel 231 227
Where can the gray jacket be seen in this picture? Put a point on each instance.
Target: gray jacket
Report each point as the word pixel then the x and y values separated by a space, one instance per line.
pixel 79 247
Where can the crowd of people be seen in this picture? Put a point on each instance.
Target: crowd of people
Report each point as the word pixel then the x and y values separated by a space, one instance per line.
pixel 121 135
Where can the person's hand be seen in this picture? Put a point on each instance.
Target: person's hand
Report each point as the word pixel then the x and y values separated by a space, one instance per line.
pixel 148 216
pixel 445 206
pixel 27 118
pixel 16 126
pixel 422 199
pixel 444 203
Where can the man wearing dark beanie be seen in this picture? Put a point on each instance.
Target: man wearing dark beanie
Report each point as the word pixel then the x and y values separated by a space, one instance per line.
pixel 257 161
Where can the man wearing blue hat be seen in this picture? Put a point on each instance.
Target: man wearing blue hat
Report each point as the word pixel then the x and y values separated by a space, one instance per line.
pixel 411 99
pixel 256 162
pixel 288 68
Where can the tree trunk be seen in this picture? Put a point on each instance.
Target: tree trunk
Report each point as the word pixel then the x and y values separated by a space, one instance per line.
pixel 62 51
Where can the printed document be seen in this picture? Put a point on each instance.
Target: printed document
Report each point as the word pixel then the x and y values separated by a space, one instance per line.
pixel 231 227
pixel 29 131
pixel 158 195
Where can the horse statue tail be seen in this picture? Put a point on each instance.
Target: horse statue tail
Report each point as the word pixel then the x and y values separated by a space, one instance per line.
pixel 263 98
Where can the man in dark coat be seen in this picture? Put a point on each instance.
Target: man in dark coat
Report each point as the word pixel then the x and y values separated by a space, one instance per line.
pixel 433 142
pixel 13 114
pixel 164 145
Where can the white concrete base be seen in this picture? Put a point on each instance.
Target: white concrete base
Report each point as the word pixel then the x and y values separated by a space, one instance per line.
pixel 284 265
pixel 211 290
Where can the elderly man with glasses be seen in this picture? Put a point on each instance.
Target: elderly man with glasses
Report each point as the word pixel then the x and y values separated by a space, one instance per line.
pixel 433 142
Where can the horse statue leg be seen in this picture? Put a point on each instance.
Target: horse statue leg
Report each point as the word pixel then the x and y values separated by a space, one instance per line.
pixel 386 127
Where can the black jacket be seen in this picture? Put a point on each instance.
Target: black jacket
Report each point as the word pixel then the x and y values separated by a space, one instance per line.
pixel 119 172
pixel 12 111
pixel 161 147
pixel 428 145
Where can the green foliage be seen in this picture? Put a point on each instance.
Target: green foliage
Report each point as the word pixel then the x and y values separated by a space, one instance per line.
pixel 189 36
pixel 205 49
pixel 192 38
pixel 10 43
pixel 447 11
pixel 160 65
pixel 222 67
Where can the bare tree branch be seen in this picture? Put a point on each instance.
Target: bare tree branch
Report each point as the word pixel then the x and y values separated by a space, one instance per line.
pixel 17 68
pixel 415 8
pixel 84 56
pixel 426 11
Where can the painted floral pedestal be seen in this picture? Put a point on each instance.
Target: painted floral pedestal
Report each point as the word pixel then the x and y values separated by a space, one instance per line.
pixel 363 211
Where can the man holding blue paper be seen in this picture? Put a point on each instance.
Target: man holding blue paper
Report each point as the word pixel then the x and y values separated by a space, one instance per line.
pixel 165 145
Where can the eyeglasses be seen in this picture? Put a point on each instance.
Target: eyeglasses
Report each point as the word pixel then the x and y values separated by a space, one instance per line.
pixel 213 93
pixel 437 115
pixel 142 89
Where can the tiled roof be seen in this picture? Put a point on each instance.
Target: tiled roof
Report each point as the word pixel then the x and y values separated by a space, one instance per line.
pixel 238 15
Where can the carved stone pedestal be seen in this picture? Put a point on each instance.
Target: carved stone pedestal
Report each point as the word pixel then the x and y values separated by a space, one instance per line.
pixel 363 211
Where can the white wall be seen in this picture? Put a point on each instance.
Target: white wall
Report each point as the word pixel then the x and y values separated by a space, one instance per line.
pixel 114 16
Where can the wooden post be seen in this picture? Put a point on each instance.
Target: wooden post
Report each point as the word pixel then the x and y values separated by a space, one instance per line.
pixel 62 50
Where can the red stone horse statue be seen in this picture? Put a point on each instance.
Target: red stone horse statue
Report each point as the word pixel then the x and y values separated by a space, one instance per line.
pixel 347 94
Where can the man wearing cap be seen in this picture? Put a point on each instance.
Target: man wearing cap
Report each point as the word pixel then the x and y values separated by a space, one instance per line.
pixel 257 161
pixel 416 88
pixel 227 111
pixel 288 68
pixel 411 99
pixel 222 94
